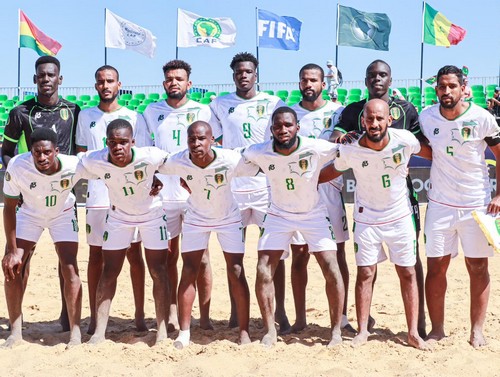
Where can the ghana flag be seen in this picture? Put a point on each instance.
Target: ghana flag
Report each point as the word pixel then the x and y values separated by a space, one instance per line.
pixel 439 31
pixel 32 37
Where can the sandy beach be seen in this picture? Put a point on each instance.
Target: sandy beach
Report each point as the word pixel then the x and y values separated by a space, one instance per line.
pixel 215 353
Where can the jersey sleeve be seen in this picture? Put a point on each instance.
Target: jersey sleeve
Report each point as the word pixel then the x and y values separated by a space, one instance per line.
pixel 346 121
pixel 84 168
pixel 13 128
pixel 142 134
pixel 246 166
pixel 11 188
pixel 414 144
pixel 491 130
pixel 81 135
pixel 340 161
pixel 215 121
pixel 170 165
pixel 413 120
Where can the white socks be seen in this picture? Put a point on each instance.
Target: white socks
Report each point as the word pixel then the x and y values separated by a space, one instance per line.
pixel 182 339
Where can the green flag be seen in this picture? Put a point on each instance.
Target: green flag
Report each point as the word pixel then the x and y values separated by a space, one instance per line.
pixel 361 29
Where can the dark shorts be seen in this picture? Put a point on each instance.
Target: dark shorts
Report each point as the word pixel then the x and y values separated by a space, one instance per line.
pixel 414 203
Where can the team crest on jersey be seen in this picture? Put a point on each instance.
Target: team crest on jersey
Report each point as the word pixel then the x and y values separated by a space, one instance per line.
pixel 63 184
pixel 64 114
pixel 190 117
pixel 327 122
pixel 395 113
pixel 219 179
pixel 397 159
pixel 303 165
pixel 139 174
pixel 258 111
pixel 7 176
pixel 463 135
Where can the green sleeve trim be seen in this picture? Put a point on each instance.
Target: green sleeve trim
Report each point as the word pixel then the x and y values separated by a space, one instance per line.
pixel 10 139
pixel 340 129
pixel 11 197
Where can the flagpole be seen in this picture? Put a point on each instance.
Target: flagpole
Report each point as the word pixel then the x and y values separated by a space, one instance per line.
pixel 422 51
pixel 337 38
pixel 19 54
pixel 177 37
pixel 257 40
pixel 105 48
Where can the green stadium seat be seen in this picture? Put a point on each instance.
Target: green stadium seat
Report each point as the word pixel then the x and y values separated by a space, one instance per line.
pixel 414 90
pixel 141 108
pixel 84 97
pixel 80 103
pixel 2 129
pixel 92 103
pixel 341 98
pixel 195 96
pixel 122 102
pixel 430 95
pixel 205 100
pixel 71 98
pixel 292 101
pixel 154 96
pixel 2 110
pixel 3 98
pixel 226 93
pixel 147 101
pixel 480 101
pixel 4 116
pixel 131 107
pixel 429 102
pixel 295 92
pixel 340 91
pixel 478 93
pixel 96 97
pixel 9 104
pixel 134 102
pixel 209 94
pixel 403 91
pixel 164 96
pixel 353 98
pixel 28 97
pixel 283 94
pixel 477 88
pixel 270 92
pixel 429 89
pixel 126 97
pixel 140 96
pixel 325 96
pixel 355 91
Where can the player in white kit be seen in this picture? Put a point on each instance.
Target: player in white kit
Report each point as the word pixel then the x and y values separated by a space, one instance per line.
pixel 244 118
pixel 211 208
pixel 90 135
pixel 292 164
pixel 382 212
pixel 458 133
pixel 128 173
pixel 168 122
pixel 314 114
pixel 44 178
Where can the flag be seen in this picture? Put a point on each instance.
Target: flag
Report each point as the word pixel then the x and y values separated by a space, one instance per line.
pixel 431 80
pixel 123 34
pixel 279 32
pixel 439 31
pixel 32 37
pixel 194 30
pixel 362 29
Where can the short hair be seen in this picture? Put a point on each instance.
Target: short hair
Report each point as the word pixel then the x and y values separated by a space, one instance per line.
pixel 284 110
pixel 177 64
pixel 451 70
pixel 199 123
pixel 377 61
pixel 48 59
pixel 106 68
pixel 243 57
pixel 119 124
pixel 43 134
pixel 312 66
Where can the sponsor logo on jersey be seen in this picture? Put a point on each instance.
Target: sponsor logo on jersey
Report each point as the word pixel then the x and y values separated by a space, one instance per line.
pixel 92 124
pixel 107 176
pixel 364 164
pixel 395 113
pixel 189 177
pixel 32 185
pixel 38 115
pixel 231 110
pixel 8 177
pixel 271 167
pixel 436 131
pixel 64 114
pixel 161 117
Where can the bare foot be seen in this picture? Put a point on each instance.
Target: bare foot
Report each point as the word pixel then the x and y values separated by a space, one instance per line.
pixel 11 341
pixel 284 325
pixel 64 321
pixel 269 339
pixel 140 324
pixel 96 339
pixel 206 324
pixel 371 324
pixel 233 320
pixel 360 339
pixel 73 342
pixel 160 337
pixel 435 336
pixel 345 325
pixel 417 342
pixel 421 327
pixel 91 328
pixel 298 326
pixel 335 341
pixel 477 339
pixel 244 338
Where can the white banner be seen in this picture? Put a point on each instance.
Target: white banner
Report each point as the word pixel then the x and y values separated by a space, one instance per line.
pixel 121 33
pixel 194 31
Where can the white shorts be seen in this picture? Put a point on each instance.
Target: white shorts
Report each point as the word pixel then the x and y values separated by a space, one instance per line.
pixel 253 206
pixel 334 202
pixel 399 236
pixel 175 212
pixel 119 234
pixel 230 233
pixel 63 228
pixel 94 227
pixel 278 229
pixel 444 226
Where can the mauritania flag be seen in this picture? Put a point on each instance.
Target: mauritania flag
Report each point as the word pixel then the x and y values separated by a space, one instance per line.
pixel 280 32
pixel 123 34
pixel 32 37
pixel 194 31
pixel 439 31
pixel 362 29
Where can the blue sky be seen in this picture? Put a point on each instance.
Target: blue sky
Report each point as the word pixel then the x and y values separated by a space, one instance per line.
pixel 79 27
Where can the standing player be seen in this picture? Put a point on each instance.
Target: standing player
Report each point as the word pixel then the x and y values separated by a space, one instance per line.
pixel 244 118
pixel 332 78
pixel 168 122
pixel 90 135
pixel 404 116
pixel 314 115
pixel 292 164
pixel 44 178
pixel 382 212
pixel 46 110
pixel 128 173
pixel 211 208
pixel 458 133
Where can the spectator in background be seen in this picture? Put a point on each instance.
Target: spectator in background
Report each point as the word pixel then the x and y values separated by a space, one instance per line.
pixel 332 79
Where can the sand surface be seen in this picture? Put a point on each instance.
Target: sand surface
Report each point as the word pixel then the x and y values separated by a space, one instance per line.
pixel 215 353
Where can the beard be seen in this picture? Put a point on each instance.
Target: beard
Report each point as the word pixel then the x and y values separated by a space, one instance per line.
pixel 177 95
pixel 310 97
pixel 376 139
pixel 286 145
pixel 107 100
pixel 449 105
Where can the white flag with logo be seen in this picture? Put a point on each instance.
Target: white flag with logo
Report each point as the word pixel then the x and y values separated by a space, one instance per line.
pixel 194 31
pixel 121 33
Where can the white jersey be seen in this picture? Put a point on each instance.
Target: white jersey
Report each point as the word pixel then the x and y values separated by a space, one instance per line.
pixel 459 174
pixel 128 186
pixel 91 135
pixel 313 125
pixel 381 191
pixel 293 178
pixel 211 199
pixel 168 126
pixel 334 120
pixel 244 122
pixel 44 196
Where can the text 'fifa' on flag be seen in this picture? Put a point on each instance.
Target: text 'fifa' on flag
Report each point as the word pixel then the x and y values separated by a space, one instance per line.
pixel 279 32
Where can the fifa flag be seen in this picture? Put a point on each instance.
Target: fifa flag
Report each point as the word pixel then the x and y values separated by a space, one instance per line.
pixel 123 34
pixel 32 37
pixel 279 32
pixel 362 29
pixel 194 30
pixel 439 31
